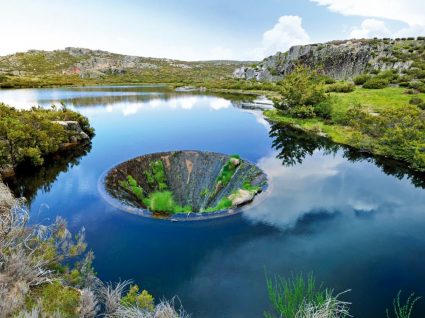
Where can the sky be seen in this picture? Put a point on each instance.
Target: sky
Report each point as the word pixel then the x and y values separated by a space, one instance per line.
pixel 201 29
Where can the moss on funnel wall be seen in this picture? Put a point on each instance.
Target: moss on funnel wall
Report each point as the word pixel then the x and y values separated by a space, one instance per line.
pixel 185 181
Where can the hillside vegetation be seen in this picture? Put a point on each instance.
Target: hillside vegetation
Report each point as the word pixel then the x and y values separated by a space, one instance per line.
pixel 388 121
pixel 77 66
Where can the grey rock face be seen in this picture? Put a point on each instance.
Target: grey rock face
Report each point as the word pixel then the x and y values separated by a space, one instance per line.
pixel 338 59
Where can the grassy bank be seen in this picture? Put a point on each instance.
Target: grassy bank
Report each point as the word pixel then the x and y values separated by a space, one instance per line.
pixel 378 121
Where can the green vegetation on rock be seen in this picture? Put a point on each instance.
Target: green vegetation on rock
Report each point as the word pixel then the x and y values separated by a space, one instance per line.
pixel 223 204
pixel 143 187
pixel 228 170
pixel 156 176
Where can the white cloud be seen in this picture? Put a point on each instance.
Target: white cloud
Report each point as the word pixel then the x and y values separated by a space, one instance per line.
pixel 411 12
pixel 370 28
pixel 288 31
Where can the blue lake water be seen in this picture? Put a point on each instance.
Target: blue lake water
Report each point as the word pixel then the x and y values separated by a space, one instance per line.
pixel 357 223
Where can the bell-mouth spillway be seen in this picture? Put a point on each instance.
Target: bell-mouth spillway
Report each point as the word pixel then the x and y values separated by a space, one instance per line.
pixel 183 185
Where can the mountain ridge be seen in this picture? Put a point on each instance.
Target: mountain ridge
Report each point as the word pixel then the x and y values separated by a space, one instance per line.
pixel 72 65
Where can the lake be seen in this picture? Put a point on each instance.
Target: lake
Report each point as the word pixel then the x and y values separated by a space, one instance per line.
pixel 356 222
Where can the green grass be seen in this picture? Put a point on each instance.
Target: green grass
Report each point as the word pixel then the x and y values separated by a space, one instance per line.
pixel 55 298
pixel 249 187
pixel 381 109
pixel 163 201
pixel 227 171
pixel 403 310
pixel 288 295
pixel 375 99
pixel 223 204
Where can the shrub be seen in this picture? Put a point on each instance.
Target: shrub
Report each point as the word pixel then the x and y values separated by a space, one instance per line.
pixel 415 101
pixel 410 91
pixel 418 102
pixel 376 83
pixel 301 87
pixel 341 87
pixel 303 111
pixel 30 135
pixel 361 79
pixel 142 300
pixel 324 109
pixel 328 80
pixel 418 86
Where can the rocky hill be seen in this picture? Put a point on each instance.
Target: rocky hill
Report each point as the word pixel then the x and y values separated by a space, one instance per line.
pixel 341 59
pixel 76 64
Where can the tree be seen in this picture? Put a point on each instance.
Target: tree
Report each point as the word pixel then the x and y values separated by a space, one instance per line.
pixel 302 87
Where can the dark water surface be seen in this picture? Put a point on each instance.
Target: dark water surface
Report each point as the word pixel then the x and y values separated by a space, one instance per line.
pixel 357 223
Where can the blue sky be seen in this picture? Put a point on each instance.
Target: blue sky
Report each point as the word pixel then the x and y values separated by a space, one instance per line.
pixel 200 30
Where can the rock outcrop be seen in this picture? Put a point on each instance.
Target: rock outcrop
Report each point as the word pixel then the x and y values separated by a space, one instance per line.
pixel 338 59
pixel 7 201
pixel 76 134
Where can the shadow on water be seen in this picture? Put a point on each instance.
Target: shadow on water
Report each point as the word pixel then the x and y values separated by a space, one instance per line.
pixel 294 145
pixel 28 180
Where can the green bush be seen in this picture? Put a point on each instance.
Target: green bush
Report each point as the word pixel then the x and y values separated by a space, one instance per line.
pixel 419 102
pixel 376 83
pixel 142 300
pixel 417 86
pixel 341 87
pixel 324 109
pixel 328 80
pixel 416 101
pixel 302 87
pixel 30 135
pixel 303 111
pixel 361 79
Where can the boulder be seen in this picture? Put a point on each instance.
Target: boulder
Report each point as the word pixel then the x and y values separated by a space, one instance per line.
pixel 241 197
pixel 77 135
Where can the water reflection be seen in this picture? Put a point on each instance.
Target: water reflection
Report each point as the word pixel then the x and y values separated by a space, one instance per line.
pixel 294 145
pixel 356 221
pixel 319 179
pixel 28 179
